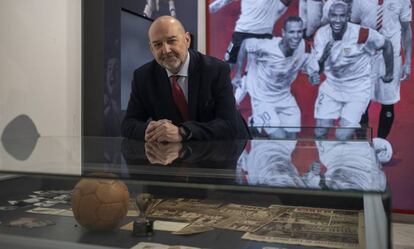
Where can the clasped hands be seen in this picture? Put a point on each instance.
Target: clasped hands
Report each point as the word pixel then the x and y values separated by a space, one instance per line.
pixel 162 142
pixel 162 130
pixel 163 153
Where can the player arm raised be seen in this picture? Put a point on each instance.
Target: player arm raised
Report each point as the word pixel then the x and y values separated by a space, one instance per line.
pixel 406 45
pixel 283 7
pixel 311 68
pixel 241 56
pixel 388 55
pixel 218 4
pixel 378 42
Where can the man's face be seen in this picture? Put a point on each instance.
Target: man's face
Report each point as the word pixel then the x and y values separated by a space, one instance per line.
pixel 338 17
pixel 169 45
pixel 292 34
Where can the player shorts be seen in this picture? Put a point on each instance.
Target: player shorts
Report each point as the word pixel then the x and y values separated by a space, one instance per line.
pixel 349 106
pixel 273 115
pixel 386 93
pixel 236 41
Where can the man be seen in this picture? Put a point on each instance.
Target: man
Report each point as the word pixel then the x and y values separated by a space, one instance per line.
pixel 311 13
pixel 327 6
pixel 315 14
pixel 182 94
pixel 392 19
pixel 344 51
pixel 273 65
pixel 257 19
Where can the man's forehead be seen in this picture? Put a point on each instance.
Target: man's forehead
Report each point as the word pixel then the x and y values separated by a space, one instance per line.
pixel 294 25
pixel 162 38
pixel 163 32
pixel 338 9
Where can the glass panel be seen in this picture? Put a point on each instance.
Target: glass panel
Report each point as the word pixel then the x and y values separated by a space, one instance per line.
pixel 313 133
pixel 300 163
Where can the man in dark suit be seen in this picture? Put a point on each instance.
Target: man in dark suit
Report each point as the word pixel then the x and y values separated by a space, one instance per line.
pixel 182 94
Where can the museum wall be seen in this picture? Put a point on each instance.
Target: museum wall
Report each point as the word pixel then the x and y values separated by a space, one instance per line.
pixel 40 72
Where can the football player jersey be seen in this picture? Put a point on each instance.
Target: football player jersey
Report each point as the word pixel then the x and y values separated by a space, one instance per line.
pixel 349 63
pixel 394 12
pixel 270 73
pixel 259 16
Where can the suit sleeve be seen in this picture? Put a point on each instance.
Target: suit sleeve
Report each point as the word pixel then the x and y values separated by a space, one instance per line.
pixel 136 118
pixel 227 122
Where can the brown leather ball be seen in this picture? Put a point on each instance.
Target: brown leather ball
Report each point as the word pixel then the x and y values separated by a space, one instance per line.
pixel 99 204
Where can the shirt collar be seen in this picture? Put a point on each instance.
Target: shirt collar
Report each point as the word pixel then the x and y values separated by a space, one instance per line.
pixel 184 69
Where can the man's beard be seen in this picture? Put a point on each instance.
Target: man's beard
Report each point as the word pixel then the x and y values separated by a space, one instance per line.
pixel 171 62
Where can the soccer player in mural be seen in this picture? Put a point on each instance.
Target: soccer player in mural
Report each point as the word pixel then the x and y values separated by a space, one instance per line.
pixel 315 14
pixel 311 13
pixel 344 51
pixel 154 5
pixel 270 163
pixel 256 20
pixel 392 19
pixel 327 6
pixel 350 166
pixel 273 65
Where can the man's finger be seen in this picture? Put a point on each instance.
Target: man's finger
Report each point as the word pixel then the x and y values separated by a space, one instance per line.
pixel 157 135
pixel 152 135
pixel 150 129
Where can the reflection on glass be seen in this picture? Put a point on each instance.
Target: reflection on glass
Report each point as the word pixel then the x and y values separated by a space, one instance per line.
pixel 270 163
pixel 350 165
pixel 301 163
pixel 339 165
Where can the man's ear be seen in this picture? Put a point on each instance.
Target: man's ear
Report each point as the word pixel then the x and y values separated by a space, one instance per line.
pixel 187 37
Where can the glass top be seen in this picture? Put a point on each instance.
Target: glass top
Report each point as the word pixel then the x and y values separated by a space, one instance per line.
pixel 300 163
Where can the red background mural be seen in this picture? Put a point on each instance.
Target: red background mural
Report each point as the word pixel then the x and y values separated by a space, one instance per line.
pixel 399 171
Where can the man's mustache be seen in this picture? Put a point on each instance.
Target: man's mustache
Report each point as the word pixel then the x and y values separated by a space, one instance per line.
pixel 167 56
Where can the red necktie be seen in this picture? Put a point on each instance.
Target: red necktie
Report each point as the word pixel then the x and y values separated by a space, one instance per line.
pixel 179 98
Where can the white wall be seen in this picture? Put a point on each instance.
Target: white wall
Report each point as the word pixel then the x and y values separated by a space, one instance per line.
pixel 40 64
pixel 201 28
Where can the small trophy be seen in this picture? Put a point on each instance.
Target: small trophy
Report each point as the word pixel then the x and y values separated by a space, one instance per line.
pixel 143 226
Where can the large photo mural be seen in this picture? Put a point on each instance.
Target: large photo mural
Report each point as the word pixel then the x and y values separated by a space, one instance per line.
pixel 323 63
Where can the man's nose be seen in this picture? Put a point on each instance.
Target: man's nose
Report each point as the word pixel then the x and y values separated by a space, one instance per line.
pixel 166 48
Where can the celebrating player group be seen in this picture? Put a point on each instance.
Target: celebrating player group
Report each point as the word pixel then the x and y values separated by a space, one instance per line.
pixel 362 47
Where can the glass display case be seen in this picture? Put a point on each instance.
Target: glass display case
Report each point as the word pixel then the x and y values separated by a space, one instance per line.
pixel 95 192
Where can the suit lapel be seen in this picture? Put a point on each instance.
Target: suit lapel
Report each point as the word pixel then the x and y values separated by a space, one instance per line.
pixel 193 85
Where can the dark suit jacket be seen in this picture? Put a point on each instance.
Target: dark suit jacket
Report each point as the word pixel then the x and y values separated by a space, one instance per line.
pixel 211 103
